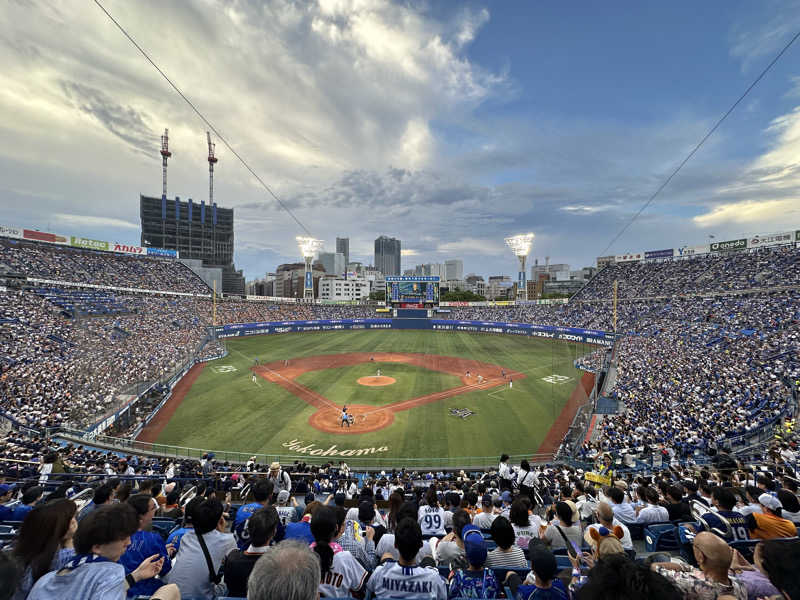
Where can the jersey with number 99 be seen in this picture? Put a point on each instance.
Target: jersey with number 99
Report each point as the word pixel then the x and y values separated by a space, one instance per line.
pixel 431 520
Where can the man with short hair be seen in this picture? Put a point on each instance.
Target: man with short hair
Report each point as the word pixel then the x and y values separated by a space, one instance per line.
pixel 145 543
pixel 103 494
pixel 726 522
pixel 290 571
pixel 623 511
pixel 192 573
pixel 262 492
pixel 29 499
pixel 6 493
pixel 605 518
pixel 651 512
pixel 238 564
pixel 769 524
pixel 404 578
pixel 484 519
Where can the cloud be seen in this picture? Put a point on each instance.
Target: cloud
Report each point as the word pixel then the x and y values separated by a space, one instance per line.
pixel 69 220
pixel 472 246
pixel 408 252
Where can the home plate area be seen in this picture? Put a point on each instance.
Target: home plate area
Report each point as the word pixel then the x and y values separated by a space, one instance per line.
pixel 557 379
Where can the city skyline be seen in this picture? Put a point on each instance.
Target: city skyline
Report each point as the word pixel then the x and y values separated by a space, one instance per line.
pixel 448 125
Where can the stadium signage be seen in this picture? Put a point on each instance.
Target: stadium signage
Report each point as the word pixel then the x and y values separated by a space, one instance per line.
pixel 658 254
pixel 301 447
pixel 10 232
pixel 729 246
pixel 82 242
pixel 691 250
pixel 634 256
pixel 412 278
pixel 162 252
pixel 776 239
pixel 43 236
pixel 125 249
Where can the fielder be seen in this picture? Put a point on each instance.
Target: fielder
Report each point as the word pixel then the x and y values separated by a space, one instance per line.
pixel 510 383
pixel 254 377
pixel 379 373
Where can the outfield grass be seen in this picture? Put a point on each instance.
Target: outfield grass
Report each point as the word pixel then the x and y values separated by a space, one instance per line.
pixel 225 410
pixel 341 386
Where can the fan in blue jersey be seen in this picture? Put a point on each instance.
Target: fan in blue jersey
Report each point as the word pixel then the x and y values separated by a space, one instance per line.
pixel 262 492
pixel 145 543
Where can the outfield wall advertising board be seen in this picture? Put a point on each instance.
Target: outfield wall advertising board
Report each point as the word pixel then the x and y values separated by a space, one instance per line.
pixel 586 336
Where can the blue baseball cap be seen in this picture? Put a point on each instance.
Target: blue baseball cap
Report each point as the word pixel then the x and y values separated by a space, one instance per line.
pixel 506 496
pixel 7 487
pixel 474 545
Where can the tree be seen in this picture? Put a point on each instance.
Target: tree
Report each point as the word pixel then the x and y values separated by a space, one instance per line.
pixel 379 296
pixel 458 295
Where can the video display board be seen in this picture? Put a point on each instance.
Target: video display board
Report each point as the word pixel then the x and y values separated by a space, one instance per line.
pixel 412 290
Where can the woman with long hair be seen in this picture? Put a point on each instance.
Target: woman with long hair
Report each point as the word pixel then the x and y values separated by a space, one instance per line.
pixel 342 574
pixel 526 526
pixel 396 500
pixel 527 481
pixel 45 541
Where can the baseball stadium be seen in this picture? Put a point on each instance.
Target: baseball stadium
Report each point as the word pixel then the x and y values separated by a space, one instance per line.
pixel 320 424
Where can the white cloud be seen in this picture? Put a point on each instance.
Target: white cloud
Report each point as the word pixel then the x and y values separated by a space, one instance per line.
pixel 408 252
pixel 472 246
pixel 92 221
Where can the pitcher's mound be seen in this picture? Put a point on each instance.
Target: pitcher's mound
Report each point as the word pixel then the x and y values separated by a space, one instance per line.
pixel 375 381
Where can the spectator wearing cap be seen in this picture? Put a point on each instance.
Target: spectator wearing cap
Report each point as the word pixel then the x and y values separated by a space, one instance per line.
pixel 713 579
pixel 30 497
pixel 192 572
pixel 475 581
pixel 507 499
pixel 545 585
pixel 286 513
pixel 507 554
pixel 145 543
pixel 486 517
pixel 94 572
pixel 280 478
pixel 6 494
pixel 769 524
pixel 405 578
pixel 238 564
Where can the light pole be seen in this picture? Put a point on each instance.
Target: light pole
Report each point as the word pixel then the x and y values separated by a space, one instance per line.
pixel 521 245
pixel 308 247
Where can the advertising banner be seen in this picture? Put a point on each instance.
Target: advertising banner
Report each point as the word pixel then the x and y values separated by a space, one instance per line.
pixel 729 246
pixel 634 256
pixel 771 239
pixel 309 280
pixel 162 252
pixel 10 232
pixel 412 278
pixel 569 334
pixel 43 236
pixel 691 250
pixel 90 244
pixel 658 254
pixel 126 249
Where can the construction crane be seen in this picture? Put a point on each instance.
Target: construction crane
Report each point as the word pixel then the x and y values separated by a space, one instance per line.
pixel 211 161
pixel 165 154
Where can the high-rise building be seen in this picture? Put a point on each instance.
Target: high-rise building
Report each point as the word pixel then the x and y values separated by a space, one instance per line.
pixel 334 263
pixel 196 231
pixel 343 247
pixel 387 255
pixel 454 269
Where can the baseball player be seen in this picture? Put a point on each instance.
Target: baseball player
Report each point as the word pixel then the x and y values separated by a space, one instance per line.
pixel 345 418
pixel 254 377
pixel 510 383
pixel 379 372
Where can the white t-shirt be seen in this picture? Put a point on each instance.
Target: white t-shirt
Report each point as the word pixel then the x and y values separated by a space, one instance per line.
pixel 523 535
pixel 431 520
pixel 346 575
pixel 386 544
pixel 286 514
pixel 391 580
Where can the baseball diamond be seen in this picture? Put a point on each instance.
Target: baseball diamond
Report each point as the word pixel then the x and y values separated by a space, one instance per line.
pixel 303 400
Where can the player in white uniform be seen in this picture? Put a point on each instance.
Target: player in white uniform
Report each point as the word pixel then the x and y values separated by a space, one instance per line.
pixel 405 578
pixel 431 515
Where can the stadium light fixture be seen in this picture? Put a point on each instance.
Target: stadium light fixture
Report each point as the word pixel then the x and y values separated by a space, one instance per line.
pixel 521 246
pixel 308 247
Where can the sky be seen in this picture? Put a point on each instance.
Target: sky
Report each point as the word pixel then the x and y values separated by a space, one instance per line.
pixel 449 125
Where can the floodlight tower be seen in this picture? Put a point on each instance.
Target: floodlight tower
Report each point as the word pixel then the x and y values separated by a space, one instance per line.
pixel 521 245
pixel 308 247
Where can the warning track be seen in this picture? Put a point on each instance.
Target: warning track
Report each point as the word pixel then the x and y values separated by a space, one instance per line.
pixel 327 418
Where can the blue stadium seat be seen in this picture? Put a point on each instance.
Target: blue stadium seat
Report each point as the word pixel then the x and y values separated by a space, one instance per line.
pixel 661 536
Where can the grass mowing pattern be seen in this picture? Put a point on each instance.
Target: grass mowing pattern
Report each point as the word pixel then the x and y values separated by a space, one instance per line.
pixel 227 411
pixel 340 385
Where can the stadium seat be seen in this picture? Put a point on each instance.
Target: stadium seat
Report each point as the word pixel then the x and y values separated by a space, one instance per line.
pixel 661 537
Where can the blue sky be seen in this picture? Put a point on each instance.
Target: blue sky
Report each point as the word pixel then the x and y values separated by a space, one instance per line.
pixel 449 125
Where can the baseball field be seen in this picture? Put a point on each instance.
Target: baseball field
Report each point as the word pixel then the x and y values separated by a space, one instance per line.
pixel 448 396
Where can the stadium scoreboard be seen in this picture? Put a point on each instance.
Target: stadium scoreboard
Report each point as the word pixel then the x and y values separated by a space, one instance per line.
pixel 412 291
